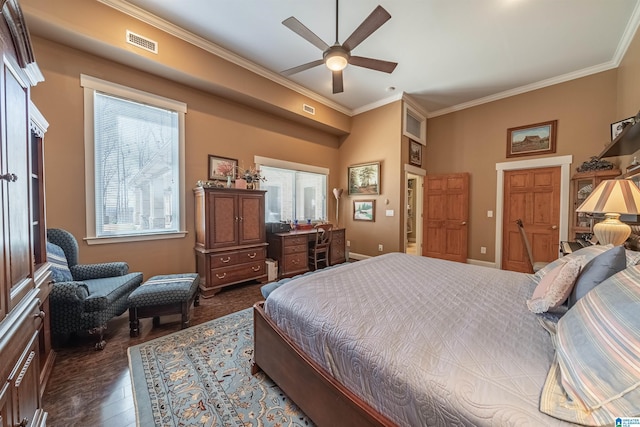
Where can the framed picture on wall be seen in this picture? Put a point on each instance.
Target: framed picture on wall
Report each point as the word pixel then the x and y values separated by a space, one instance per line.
pixel 618 127
pixel 221 167
pixel 531 140
pixel 364 210
pixel 364 179
pixel 415 153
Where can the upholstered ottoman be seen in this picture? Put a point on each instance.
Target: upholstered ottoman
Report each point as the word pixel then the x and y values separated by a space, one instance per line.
pixel 163 295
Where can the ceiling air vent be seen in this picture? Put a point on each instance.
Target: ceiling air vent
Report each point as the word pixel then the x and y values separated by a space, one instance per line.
pixel 308 109
pixel 142 42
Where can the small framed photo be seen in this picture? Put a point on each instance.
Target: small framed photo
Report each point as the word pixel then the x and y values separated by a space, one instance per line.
pixel 531 140
pixel 618 127
pixel 364 210
pixel 222 167
pixel 364 179
pixel 415 153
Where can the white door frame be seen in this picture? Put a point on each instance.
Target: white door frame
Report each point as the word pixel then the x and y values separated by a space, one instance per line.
pixel 418 194
pixel 564 162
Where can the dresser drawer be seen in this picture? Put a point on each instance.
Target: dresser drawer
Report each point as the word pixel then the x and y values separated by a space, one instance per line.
pixel 226 259
pixel 296 240
pixel 294 263
pixel 255 254
pixel 237 273
pixel 295 249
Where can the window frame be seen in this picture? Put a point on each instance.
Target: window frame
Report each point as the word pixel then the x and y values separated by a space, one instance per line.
pixel 90 85
pixel 297 167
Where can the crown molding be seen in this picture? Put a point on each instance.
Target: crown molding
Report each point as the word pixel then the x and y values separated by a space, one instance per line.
pixel 527 88
pixel 178 32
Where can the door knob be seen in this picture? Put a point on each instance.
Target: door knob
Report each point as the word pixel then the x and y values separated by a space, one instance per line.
pixel 554 227
pixel 464 223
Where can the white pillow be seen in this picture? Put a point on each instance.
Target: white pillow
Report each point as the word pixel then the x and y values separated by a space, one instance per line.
pixel 555 286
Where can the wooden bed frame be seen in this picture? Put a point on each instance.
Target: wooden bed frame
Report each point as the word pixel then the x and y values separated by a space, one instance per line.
pixel 320 396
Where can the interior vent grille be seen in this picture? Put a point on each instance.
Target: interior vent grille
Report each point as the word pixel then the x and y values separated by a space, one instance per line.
pixel 142 42
pixel 308 109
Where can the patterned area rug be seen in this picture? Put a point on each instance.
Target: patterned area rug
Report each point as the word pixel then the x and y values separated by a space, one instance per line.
pixel 202 376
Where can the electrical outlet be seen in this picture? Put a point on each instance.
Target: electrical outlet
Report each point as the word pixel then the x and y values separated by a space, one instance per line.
pixel 483 250
pixel 348 243
pixel 379 248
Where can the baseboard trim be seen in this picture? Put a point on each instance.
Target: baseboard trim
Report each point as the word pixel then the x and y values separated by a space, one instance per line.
pixel 481 263
pixel 358 257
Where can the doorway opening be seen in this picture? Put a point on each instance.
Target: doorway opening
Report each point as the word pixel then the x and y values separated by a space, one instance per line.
pixel 414 179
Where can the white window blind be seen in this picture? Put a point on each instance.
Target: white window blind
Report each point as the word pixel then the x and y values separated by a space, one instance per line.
pixel 136 156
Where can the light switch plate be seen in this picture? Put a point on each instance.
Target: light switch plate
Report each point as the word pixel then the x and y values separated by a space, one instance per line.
pixel 389 212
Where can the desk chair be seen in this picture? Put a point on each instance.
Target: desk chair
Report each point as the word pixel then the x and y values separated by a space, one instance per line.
pixel 319 249
pixel 525 241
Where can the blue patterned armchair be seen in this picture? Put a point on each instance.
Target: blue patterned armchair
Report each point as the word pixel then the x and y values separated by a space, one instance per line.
pixel 85 296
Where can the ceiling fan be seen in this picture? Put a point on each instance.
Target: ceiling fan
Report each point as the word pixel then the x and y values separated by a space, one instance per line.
pixel 337 57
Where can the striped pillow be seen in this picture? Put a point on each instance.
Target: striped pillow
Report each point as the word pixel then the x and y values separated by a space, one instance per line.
pixel 596 375
pixel 59 268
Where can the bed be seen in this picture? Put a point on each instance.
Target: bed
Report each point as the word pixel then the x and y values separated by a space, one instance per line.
pixel 405 340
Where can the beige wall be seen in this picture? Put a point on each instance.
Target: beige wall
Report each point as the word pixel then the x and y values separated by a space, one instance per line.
pixel 213 126
pixel 95 27
pixel 234 113
pixel 375 137
pixel 474 140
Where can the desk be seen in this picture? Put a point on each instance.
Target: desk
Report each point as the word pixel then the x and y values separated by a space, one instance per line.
pixel 291 250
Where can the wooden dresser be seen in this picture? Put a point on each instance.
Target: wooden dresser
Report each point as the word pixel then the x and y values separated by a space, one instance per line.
pixel 230 237
pixel 25 347
pixel 291 250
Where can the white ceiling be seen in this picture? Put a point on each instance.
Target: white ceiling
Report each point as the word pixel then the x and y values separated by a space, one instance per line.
pixel 450 53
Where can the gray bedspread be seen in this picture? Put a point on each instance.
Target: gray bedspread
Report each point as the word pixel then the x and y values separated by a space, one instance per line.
pixel 426 342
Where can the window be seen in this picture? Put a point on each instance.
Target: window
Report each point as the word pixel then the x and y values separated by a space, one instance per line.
pixel 134 158
pixel 414 124
pixel 294 191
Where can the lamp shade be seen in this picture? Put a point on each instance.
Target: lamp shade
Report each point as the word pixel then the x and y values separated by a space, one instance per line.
pixel 613 196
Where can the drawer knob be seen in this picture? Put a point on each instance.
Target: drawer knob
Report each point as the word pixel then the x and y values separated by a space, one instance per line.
pixel 221 276
pixel 225 260
pixel 39 315
pixel 295 261
pixel 24 422
pixel 252 256
pixel 256 268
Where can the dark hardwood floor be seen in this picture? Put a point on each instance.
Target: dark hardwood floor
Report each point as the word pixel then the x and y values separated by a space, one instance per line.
pixel 93 388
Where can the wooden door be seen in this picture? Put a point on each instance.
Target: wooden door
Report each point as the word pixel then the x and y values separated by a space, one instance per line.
pixel 532 195
pixel 251 214
pixel 446 216
pixel 16 180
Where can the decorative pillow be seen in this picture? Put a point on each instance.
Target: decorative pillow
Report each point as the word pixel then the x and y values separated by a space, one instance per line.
pixel 595 377
pixel 587 253
pixel 59 268
pixel 554 288
pixel 598 270
pixel 633 257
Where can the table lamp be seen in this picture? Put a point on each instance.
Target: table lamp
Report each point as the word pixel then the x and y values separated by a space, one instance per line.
pixel 612 198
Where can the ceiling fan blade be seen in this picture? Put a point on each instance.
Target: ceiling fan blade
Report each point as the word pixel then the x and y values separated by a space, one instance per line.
pixel 374 64
pixel 298 27
pixel 378 17
pixel 302 67
pixel 337 81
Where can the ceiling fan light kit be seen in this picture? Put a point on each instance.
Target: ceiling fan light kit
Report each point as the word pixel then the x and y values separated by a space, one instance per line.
pixel 337 57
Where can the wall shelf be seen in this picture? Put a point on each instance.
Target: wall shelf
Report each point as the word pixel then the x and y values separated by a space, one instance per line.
pixel 628 142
